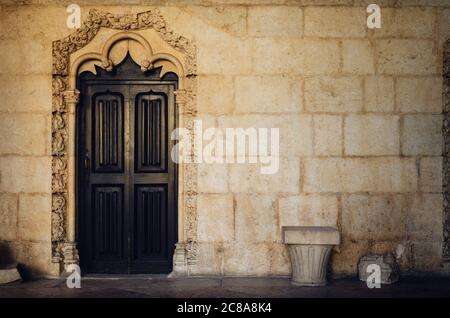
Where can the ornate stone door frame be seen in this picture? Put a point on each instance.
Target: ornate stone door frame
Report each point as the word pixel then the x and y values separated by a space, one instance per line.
pixel 446 153
pixel 64 104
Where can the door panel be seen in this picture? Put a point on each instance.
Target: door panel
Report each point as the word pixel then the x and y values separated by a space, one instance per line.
pixel 126 180
pixel 108 128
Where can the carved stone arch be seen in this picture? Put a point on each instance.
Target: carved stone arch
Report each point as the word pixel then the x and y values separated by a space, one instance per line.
pixel 93 44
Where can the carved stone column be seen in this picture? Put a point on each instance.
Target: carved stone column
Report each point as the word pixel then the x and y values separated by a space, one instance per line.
pixel 71 97
pixel 179 256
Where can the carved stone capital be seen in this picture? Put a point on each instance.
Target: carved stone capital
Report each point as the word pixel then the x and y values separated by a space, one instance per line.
pixel 181 96
pixel 71 97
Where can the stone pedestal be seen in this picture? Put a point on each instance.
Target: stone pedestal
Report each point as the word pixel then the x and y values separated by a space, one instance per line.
pixel 309 251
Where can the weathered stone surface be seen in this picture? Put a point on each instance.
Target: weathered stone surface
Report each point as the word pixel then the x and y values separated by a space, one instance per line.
pixel 20 174
pixel 27 134
pixel 295 131
pixel 255 219
pixel 8 216
pixel 388 267
pixel 246 259
pixel 268 94
pixel 407 22
pixel 292 56
pixel 212 178
pixel 406 57
pixel 210 262
pixel 333 94
pixel 379 94
pixel 318 57
pixel 35 93
pixel 269 56
pixel 334 22
pixel 430 174
pixel 360 174
pixel 308 210
pixel 248 178
pixel 368 135
pixel 34 217
pixel 328 136
pixel 215 211
pixel 421 135
pixel 215 94
pixel 358 57
pixel 374 217
pixel 275 21
pixel 219 56
pixel 424 221
pixel 419 94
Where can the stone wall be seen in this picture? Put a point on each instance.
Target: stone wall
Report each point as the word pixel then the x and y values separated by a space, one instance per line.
pixel 359 113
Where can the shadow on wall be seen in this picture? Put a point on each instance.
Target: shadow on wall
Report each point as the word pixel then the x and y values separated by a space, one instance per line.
pixel 7 260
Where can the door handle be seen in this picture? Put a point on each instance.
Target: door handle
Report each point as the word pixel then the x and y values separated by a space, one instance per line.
pixel 87 166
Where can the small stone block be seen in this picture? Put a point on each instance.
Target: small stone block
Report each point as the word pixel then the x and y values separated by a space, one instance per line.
pixel 9 274
pixel 388 266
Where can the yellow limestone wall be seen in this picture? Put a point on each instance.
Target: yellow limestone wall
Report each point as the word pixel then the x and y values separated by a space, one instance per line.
pixel 359 113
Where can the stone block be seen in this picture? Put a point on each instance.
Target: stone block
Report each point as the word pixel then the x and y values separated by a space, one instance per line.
pixel 422 135
pixel 308 210
pixel 295 131
pixel 215 211
pixel 358 57
pixel 34 217
pixel 406 57
pixel 424 222
pixel 280 264
pixel 419 94
pixel 333 94
pixel 268 94
pixel 267 21
pixel 8 216
pixel 230 19
pixel 328 137
pixel 219 55
pixel 379 94
pixel 369 135
pixel 215 94
pixel 430 175
pixel 209 261
pixel 360 174
pixel 276 56
pixel 374 217
pixel 256 218
pixel 212 178
pixel 335 22
pixel 317 56
pixel 26 93
pixel 16 59
pixel 246 259
pixel 26 133
pixel 407 23
pixel 25 174
pixel 389 268
pixel 245 178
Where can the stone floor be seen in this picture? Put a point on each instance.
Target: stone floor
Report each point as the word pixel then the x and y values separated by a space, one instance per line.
pixel 154 286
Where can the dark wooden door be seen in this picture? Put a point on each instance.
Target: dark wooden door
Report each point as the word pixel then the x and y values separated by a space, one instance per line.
pixel 127 183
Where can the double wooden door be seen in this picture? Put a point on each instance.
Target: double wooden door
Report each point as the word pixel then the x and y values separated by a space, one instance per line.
pixel 127 184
